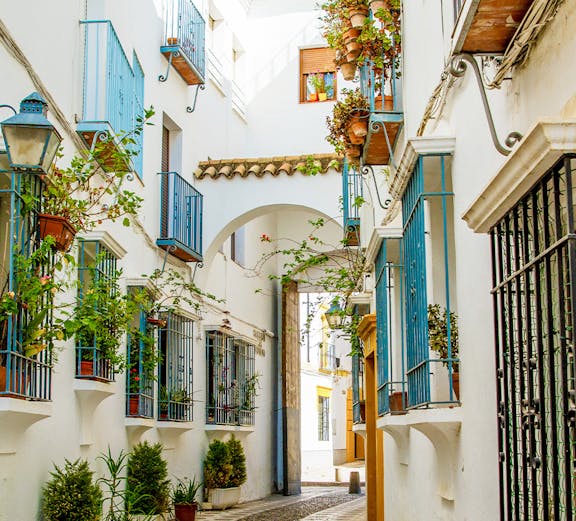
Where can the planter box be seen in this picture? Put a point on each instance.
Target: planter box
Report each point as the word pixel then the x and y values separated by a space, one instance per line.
pixel 222 498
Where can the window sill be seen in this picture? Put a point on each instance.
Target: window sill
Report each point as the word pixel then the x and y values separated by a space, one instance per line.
pixel 135 427
pixel 16 416
pixel 229 428
pixel 90 393
pixel 359 428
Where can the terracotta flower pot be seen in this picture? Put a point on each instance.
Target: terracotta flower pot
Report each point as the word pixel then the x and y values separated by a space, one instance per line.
pixel 353 151
pixel 348 70
pixel 357 17
pixel 185 512
pixel 378 4
pixel 358 124
pixel 59 228
pixel 133 405
pixel 398 402
pixel 354 48
pixel 456 385
pixel 356 140
pixel 172 41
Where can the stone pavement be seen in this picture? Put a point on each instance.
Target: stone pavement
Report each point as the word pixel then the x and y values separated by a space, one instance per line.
pixel 351 511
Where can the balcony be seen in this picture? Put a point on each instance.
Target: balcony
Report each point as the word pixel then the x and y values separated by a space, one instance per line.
pixel 184 41
pixel 112 97
pixel 180 218
pixel 487 26
pixel 384 93
pixel 352 201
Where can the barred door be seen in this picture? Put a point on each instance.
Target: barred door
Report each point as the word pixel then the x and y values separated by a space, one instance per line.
pixel 534 283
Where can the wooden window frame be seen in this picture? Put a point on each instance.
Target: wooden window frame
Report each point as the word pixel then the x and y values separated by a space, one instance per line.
pixel 319 60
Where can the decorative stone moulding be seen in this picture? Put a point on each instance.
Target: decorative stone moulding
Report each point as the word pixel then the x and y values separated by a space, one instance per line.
pixel 90 393
pixel 15 417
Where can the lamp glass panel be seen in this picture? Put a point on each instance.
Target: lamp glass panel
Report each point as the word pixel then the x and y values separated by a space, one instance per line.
pixel 25 145
pixel 51 149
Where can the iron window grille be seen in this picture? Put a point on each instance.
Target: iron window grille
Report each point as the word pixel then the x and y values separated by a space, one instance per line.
pixel 323 418
pixel 96 263
pixel 139 380
pixel 428 252
pixel 358 400
pixel 20 375
pixel 534 285
pixel 352 199
pixel 231 380
pixel 175 344
pixel 391 384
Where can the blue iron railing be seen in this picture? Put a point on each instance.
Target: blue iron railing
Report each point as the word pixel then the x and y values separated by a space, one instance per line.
pixel 358 389
pixel 185 32
pixel 389 332
pixel 175 344
pixel 232 383
pixel 420 364
pixel 180 218
pixel 113 91
pixel 95 262
pixel 138 160
pixel 352 199
pixel 139 384
pixel 21 376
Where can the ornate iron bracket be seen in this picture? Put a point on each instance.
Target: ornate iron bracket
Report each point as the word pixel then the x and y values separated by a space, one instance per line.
pixel 169 249
pixel 374 127
pixel 196 266
pixel 164 77
pixel 189 109
pixel 367 169
pixel 458 67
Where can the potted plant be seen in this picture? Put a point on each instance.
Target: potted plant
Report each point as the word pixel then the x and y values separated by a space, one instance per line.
pixel 319 84
pixel 352 108
pixel 83 195
pixel 71 494
pixel 147 480
pixel 184 499
pixel 218 471
pixel 438 340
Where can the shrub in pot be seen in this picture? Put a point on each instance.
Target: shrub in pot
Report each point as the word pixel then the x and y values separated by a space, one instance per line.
pixel 71 494
pixel 147 480
pixel 224 472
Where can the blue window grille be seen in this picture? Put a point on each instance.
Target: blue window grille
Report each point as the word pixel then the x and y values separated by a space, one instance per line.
pixel 138 160
pixel 180 218
pixel 352 199
pixel 323 418
pixel 358 399
pixel 425 204
pixel 175 344
pixel 22 375
pixel 390 328
pixel 95 263
pixel 184 40
pixel 232 383
pixel 113 91
pixel 139 384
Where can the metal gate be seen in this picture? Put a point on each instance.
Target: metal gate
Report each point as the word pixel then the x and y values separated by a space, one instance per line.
pixel 534 283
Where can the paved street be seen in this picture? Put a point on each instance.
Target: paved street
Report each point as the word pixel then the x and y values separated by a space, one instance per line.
pixel 295 508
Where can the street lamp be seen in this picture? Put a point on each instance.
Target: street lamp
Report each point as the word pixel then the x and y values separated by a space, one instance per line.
pixel 31 140
pixel 335 315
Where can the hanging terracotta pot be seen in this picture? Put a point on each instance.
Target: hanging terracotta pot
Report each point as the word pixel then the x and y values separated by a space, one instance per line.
pixel 59 228
pixel 348 70
pixel 378 4
pixel 356 140
pixel 353 151
pixel 388 103
pixel 351 34
pixel 357 16
pixel 354 49
pixel 456 384
pixel 358 123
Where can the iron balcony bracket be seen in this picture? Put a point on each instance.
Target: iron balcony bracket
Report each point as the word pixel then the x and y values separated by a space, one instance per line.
pixel 368 169
pixel 169 249
pixel 458 67
pixel 198 87
pixel 164 77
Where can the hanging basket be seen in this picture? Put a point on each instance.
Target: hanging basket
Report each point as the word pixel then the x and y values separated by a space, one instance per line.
pixel 357 17
pixel 59 228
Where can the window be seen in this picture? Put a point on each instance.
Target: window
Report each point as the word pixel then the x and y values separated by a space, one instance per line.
pixel 429 264
pixel 317 74
pixel 231 381
pixel 533 255
pixel 140 368
pixel 97 278
pixel 25 361
pixel 175 345
pixel 323 414
pixel 358 401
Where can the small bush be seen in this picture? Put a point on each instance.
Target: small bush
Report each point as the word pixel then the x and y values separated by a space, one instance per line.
pixel 238 462
pixel 148 486
pixel 71 494
pixel 217 466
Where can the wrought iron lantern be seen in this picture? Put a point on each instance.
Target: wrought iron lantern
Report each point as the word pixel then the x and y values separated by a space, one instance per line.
pixel 335 315
pixel 31 140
